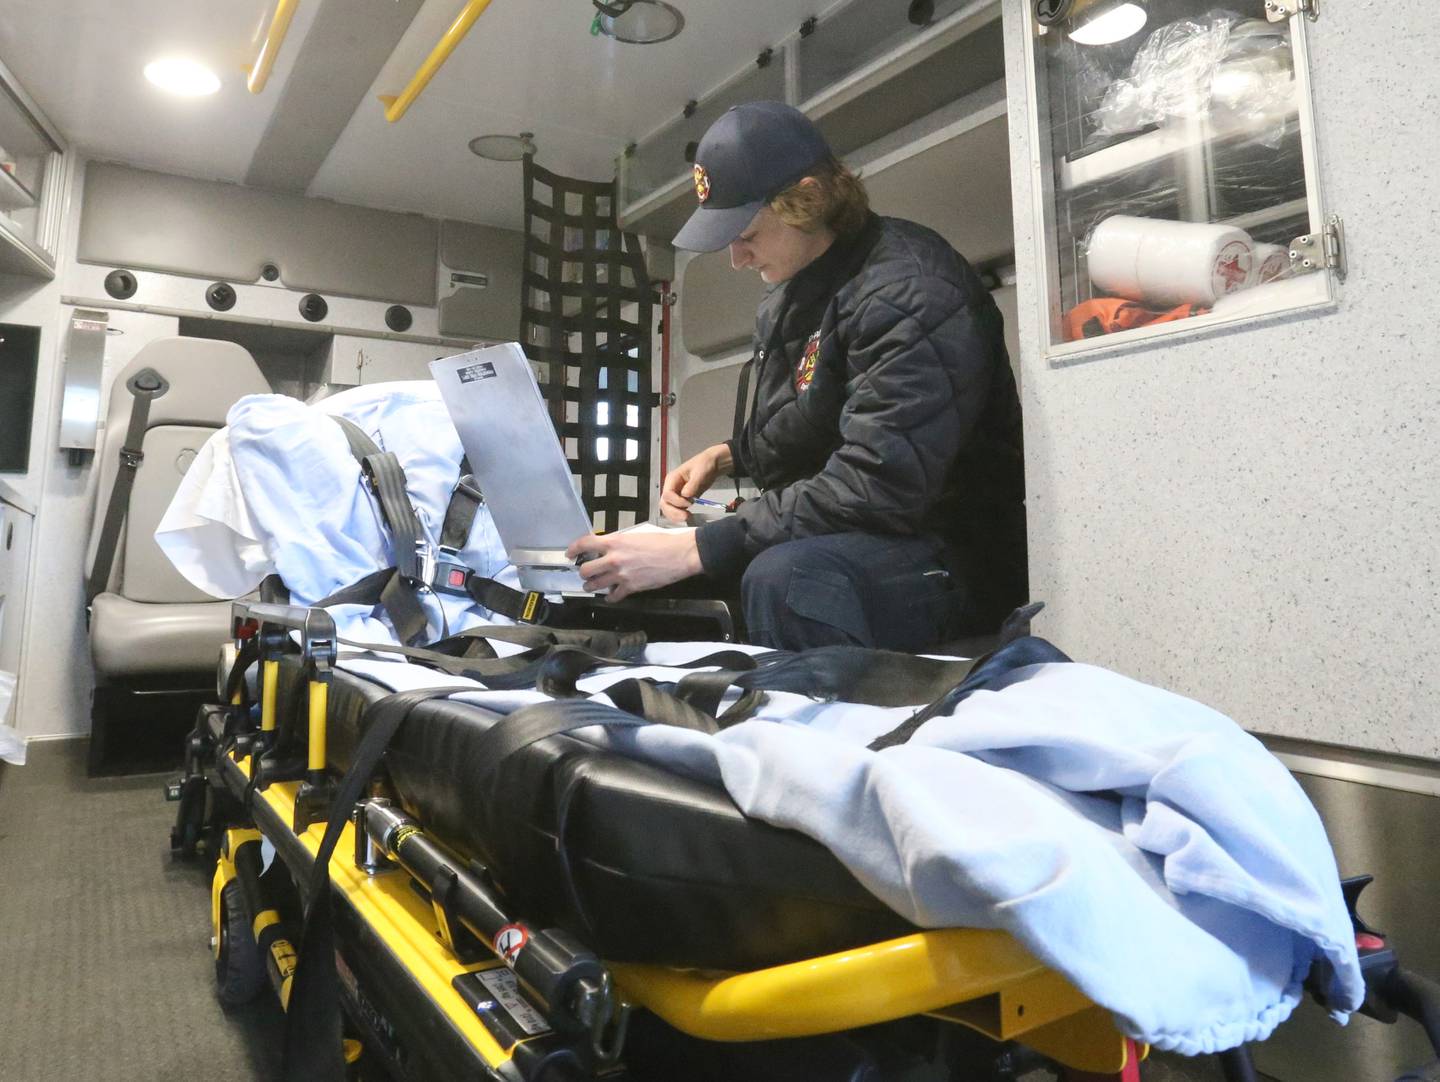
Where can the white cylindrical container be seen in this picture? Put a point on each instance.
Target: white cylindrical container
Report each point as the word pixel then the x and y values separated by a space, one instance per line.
pixel 1165 263
pixel 1272 263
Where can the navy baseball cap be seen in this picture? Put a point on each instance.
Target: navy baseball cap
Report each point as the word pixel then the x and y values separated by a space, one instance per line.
pixel 750 155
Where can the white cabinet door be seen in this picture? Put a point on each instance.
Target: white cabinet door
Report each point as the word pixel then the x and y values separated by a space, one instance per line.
pixel 355 360
pixel 15 527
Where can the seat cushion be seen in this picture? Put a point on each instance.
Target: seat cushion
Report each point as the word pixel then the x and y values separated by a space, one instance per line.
pixel 132 638
pixel 643 865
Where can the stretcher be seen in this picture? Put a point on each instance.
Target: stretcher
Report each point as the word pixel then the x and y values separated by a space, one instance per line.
pixel 435 890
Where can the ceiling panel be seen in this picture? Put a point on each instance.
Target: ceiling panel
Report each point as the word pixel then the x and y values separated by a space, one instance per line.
pixel 527 65
pixel 83 60
pixel 532 65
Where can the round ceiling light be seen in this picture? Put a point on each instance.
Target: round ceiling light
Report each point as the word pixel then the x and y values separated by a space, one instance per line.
pixel 1109 25
pixel 638 22
pixel 503 148
pixel 183 78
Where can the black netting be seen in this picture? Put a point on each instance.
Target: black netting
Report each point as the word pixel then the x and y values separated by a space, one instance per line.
pixel 586 318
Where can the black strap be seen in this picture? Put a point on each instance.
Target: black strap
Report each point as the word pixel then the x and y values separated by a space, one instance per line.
pixel 144 386
pixel 540 720
pixel 851 674
pixel 742 394
pixel 460 512
pixel 313 1030
pixel 991 672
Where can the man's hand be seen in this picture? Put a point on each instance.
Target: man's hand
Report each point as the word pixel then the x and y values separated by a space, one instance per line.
pixel 690 479
pixel 630 562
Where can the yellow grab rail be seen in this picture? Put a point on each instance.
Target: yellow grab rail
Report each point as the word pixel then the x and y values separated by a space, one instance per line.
pixel 270 47
pixel 396 106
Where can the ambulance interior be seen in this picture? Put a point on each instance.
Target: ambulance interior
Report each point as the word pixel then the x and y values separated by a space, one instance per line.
pixel 1227 493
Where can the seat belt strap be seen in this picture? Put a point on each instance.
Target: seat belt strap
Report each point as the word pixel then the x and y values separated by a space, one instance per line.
pixel 991 672
pixel 313 1027
pixel 144 386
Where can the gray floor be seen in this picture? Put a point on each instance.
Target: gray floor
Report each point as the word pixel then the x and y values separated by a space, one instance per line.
pixel 105 966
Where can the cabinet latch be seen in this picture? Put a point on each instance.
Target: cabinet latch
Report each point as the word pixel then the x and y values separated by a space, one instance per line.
pixel 1323 249
pixel 1277 11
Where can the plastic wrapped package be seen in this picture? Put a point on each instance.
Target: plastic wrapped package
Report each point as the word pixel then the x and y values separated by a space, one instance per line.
pixel 12 748
pixel 1232 71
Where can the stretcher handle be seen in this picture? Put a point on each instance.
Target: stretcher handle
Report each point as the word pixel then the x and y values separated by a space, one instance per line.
pixel 316 627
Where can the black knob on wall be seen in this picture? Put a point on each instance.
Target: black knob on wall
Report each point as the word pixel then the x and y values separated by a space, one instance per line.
pixel 121 284
pixel 220 296
pixel 313 307
pixel 921 12
pixel 397 317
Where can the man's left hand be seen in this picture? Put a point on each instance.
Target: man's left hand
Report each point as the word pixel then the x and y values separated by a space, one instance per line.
pixel 627 563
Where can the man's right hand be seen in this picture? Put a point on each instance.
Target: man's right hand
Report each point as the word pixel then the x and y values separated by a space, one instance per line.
pixel 690 479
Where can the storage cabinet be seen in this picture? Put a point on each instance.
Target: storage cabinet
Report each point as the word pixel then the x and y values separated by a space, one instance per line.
pixel 31 162
pixel 863 71
pixel 1177 167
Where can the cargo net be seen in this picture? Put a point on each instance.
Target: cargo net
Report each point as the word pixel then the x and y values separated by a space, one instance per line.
pixel 585 320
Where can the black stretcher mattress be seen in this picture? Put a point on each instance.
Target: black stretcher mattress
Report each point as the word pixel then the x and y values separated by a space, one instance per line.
pixel 643 865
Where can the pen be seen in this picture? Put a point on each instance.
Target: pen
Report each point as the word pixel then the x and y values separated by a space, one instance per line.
pixel 706 503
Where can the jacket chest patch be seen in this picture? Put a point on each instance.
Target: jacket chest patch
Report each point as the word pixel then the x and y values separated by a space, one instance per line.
pixel 805 370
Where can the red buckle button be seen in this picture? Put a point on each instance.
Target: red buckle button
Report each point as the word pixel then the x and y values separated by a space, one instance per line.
pixel 457 578
pixel 1366 942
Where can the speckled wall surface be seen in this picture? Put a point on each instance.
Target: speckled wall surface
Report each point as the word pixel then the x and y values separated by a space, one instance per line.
pixel 1253 518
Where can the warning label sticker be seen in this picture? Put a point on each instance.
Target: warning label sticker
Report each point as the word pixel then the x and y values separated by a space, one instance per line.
pixel 505 989
pixel 510 941
pixel 471 373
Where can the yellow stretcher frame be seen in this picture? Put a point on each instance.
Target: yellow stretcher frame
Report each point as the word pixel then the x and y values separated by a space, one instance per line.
pixel 977 978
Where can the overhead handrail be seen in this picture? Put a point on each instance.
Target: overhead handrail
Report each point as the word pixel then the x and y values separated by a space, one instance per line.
pixel 396 106
pixel 270 47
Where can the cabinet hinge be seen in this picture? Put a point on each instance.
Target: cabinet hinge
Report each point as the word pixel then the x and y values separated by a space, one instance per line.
pixel 1277 11
pixel 1324 249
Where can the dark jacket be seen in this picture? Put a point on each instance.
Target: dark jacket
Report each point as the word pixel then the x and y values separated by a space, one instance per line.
pixel 884 403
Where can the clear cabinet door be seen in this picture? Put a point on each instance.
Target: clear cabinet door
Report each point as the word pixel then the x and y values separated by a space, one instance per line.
pixel 30 163
pixel 1176 179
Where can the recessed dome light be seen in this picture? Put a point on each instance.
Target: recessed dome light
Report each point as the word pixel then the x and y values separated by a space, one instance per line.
pixel 503 148
pixel 183 78
pixel 639 22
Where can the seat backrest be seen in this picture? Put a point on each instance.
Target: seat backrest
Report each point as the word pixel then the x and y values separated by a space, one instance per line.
pixel 205 377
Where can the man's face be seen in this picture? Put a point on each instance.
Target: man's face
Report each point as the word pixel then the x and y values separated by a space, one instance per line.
pixel 775 250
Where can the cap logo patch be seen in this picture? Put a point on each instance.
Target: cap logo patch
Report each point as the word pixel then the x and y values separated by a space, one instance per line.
pixel 702 183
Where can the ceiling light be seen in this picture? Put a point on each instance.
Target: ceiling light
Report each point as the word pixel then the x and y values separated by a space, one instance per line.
pixel 639 22
pixel 1093 22
pixel 183 78
pixel 503 148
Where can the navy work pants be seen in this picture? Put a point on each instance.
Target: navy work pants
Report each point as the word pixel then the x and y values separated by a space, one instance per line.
pixel 855 589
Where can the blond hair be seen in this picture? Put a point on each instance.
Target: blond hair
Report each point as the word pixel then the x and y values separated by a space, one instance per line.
pixel 834 197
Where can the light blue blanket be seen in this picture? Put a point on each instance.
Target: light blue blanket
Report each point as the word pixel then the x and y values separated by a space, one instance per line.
pixel 1136 841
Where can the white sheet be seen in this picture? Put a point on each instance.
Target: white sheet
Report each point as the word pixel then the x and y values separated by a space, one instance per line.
pixel 277 490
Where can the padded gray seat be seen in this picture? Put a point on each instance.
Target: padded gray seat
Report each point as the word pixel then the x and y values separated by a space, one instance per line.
pixel 149 620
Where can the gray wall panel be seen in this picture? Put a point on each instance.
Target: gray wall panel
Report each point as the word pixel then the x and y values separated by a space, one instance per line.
pixel 960 188
pixel 717 304
pixel 499 254
pixel 209 229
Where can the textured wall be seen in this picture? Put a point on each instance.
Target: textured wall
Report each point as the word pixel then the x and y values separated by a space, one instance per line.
pixel 1253 517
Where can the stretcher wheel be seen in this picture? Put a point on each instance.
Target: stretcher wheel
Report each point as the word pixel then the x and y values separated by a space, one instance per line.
pixel 239 965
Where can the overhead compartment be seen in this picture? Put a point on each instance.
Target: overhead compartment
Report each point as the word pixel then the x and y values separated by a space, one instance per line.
pixel 863 72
